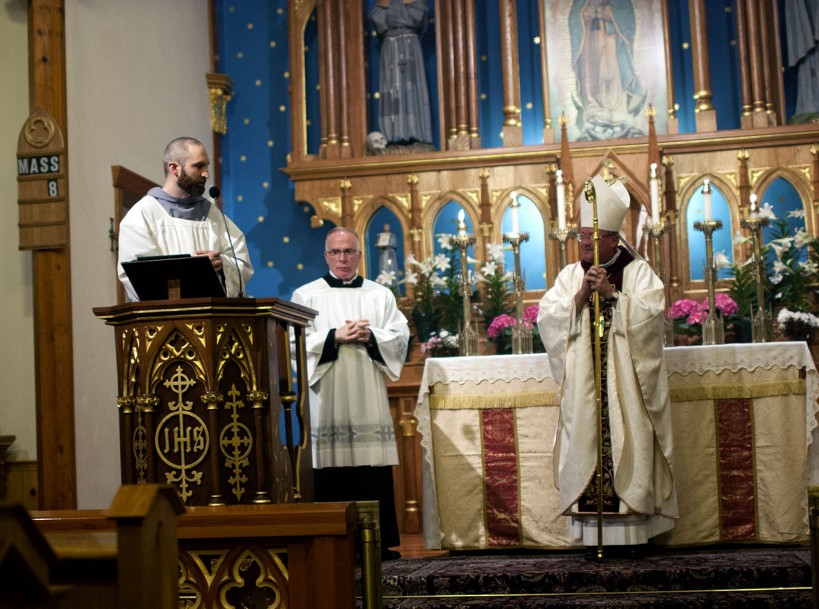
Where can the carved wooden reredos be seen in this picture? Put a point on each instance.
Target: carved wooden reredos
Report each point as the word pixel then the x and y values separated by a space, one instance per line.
pixel 346 186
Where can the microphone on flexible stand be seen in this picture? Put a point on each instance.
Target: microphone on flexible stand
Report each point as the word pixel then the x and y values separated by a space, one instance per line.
pixel 214 193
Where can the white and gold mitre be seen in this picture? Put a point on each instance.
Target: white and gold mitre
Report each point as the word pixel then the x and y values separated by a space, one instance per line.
pixel 612 204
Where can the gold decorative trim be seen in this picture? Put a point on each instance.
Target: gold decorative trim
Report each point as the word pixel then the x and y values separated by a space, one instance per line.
pixel 690 393
pixel 730 177
pixel 220 92
pixel 493 402
pixel 426 197
pixel 756 173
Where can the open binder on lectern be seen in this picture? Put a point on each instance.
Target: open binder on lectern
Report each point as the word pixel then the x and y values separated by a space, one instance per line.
pixel 174 276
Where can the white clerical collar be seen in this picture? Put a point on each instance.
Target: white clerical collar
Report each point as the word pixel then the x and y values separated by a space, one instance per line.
pixel 613 259
pixel 344 281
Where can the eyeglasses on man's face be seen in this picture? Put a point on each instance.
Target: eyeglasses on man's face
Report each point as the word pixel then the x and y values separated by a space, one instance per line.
pixel 348 252
pixel 588 237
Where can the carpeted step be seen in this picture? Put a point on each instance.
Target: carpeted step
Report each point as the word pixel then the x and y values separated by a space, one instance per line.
pixel 764 576
pixel 783 599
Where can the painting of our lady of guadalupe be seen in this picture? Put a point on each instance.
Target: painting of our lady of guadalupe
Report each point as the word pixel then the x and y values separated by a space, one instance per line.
pixel 606 65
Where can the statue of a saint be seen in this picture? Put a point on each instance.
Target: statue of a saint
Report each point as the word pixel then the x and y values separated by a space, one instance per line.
pixel 404 113
pixel 387 243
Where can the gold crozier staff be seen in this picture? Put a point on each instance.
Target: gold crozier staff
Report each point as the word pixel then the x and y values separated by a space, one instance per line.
pixel 591 196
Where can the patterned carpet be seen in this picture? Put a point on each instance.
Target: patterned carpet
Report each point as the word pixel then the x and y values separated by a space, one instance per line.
pixel 761 576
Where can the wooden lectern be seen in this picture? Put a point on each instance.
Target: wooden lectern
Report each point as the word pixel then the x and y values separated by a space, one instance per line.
pixel 207 401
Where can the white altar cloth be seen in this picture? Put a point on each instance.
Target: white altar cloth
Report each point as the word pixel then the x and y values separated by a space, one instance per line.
pixel 744 418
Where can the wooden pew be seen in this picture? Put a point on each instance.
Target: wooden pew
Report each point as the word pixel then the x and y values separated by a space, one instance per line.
pixel 129 562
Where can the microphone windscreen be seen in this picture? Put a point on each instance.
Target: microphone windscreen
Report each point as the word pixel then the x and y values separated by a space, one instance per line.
pixel 214 192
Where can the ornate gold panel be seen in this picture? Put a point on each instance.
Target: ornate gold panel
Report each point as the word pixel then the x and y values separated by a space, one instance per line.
pixel 331 206
pixel 242 576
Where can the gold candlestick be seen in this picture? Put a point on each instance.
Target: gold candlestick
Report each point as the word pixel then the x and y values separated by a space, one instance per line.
pixel 713 328
pixel 563 236
pixel 521 335
pixel 761 319
pixel 467 337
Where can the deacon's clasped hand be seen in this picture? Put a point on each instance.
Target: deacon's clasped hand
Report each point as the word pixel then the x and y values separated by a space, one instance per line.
pixel 354 331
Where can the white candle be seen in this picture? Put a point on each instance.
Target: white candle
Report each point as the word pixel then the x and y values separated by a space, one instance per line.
pixel 655 195
pixel 515 214
pixel 461 224
pixel 706 195
pixel 561 201
pixel 753 204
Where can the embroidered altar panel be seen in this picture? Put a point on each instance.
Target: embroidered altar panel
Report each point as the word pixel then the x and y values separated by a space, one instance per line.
pixel 743 418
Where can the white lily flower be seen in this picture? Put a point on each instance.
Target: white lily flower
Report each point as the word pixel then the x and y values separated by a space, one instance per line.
pixel 740 239
pixel 766 211
pixel 436 281
pixel 777 248
pixel 801 238
pixel 445 241
pixel 809 266
pixel 427 266
pixel 411 277
pixel 441 262
pixel 386 278
pixel 796 213
pixel 779 267
pixel 721 260
pixel 489 269
pixel 495 251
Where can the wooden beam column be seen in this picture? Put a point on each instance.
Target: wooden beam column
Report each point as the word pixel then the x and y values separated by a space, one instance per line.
pixel 471 75
pixel 53 331
pixel 705 115
pixel 512 130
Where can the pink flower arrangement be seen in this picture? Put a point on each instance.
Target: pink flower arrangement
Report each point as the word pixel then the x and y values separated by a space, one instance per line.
pixel 724 303
pixel 683 308
pixel 689 314
pixel 504 321
pixel 693 311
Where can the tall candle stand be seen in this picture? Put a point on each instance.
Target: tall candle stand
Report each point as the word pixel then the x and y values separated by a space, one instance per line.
pixel 761 321
pixel 467 337
pixel 562 236
pixel 521 335
pixel 713 328
pixel 657 230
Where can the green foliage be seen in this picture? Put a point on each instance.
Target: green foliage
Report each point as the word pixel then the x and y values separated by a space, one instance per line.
pixel 451 301
pixel 743 289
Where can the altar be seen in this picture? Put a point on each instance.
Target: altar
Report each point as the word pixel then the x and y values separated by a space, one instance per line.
pixel 744 421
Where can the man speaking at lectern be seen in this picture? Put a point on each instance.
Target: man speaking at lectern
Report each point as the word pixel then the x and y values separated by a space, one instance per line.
pixel 638 499
pixel 177 219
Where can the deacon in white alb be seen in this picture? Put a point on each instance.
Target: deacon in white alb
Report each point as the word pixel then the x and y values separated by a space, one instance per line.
pixel 357 341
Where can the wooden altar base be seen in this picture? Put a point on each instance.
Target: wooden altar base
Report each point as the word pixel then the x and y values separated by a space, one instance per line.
pixel 715 576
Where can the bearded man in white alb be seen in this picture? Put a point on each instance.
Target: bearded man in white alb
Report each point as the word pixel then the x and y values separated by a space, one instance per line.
pixel 638 496
pixel 177 219
pixel 357 341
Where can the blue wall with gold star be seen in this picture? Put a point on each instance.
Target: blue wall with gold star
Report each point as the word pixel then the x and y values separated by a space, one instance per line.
pixel 253 50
